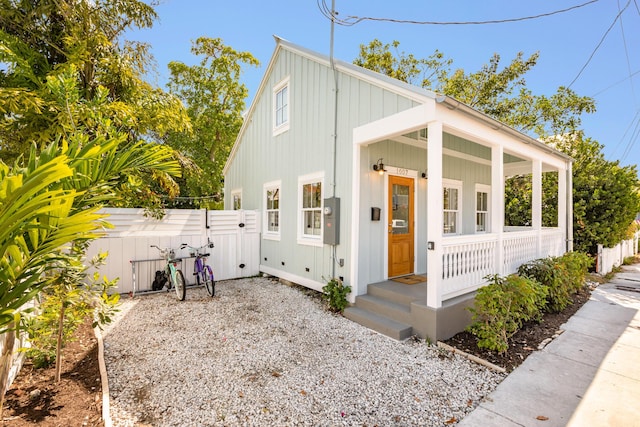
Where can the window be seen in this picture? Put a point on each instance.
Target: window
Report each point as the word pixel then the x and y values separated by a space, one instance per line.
pixel 310 202
pixel 272 210
pixel 236 199
pixel 281 107
pixel 482 208
pixel 452 201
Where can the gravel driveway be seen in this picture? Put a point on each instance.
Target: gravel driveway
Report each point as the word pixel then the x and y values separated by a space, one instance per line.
pixel 265 354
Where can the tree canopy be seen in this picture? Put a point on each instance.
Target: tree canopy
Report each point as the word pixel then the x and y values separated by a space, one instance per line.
pixel 214 99
pixel 67 58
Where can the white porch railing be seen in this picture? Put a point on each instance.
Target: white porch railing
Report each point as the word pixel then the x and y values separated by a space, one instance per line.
pixel 468 259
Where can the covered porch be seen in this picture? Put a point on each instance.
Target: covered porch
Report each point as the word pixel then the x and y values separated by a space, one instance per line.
pixel 459 162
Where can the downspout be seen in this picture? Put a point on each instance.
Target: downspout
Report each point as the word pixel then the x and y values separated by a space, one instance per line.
pixel 335 126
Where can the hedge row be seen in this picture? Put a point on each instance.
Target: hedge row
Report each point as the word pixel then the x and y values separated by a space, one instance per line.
pixel 543 285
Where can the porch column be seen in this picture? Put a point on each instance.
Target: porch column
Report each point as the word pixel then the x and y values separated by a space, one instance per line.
pixel 569 198
pixel 536 201
pixel 497 204
pixel 434 215
pixel 562 204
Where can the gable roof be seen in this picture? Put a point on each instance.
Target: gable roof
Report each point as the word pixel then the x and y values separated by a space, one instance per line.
pixel 399 87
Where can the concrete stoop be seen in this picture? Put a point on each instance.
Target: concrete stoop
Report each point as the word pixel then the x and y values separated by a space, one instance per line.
pixel 386 308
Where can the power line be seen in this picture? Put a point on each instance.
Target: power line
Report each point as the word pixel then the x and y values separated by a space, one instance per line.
pixel 615 84
pixel 626 53
pixel 353 20
pixel 599 44
pixel 632 140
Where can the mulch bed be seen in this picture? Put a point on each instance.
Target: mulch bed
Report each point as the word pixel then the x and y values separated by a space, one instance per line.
pixel 525 341
pixel 35 399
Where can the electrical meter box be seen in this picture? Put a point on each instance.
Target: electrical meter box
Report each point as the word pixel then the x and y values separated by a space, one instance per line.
pixel 331 218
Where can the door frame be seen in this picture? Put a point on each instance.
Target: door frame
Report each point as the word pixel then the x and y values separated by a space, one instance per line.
pixel 404 173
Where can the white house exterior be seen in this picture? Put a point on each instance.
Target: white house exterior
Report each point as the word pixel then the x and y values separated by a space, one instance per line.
pixel 419 178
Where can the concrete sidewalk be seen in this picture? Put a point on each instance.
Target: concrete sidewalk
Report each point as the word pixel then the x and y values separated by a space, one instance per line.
pixel 588 376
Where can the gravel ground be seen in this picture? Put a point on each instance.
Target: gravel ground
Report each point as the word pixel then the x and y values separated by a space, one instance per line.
pixel 262 354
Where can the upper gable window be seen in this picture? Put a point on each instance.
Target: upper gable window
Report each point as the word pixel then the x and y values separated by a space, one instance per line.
pixel 281 107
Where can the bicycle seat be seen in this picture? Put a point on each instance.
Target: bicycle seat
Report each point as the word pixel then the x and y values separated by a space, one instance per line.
pixel 205 254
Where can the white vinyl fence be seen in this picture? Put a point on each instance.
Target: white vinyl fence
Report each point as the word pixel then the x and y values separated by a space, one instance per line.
pixel 235 235
pixel 609 258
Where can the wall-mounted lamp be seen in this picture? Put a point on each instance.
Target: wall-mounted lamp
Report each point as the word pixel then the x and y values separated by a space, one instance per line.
pixel 379 167
pixel 424 174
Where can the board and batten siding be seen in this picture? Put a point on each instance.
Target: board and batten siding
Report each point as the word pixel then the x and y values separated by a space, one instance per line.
pixel 306 148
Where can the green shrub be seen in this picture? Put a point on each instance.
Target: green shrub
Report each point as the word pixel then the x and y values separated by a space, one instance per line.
pixel 552 274
pixel 502 307
pixel 335 293
pixel 577 265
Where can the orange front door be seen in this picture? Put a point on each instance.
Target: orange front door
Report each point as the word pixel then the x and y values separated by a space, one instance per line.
pixel 401 226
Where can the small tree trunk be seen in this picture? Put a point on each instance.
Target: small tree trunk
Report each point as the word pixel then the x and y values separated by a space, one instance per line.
pixel 5 361
pixel 59 344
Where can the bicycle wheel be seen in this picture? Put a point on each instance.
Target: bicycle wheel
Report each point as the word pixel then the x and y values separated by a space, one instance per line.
pixel 181 286
pixel 209 280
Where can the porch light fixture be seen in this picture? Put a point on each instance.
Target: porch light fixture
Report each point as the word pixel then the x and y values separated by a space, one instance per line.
pixel 379 167
pixel 424 174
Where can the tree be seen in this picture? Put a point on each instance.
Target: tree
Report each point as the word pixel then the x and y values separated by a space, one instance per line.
pixel 605 194
pixel 44 43
pixel 49 203
pixel 214 97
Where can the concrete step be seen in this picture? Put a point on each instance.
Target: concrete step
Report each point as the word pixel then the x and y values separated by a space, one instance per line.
pixel 384 307
pixel 397 292
pixel 384 325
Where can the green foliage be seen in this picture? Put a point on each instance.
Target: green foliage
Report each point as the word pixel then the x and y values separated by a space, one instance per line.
pixel 214 97
pixel 502 307
pixel 378 57
pixel 577 265
pixel 335 293
pixel 72 296
pixel 606 195
pixel 552 274
pixel 68 71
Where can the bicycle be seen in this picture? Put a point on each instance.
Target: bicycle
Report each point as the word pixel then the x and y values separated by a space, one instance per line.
pixel 202 271
pixel 172 276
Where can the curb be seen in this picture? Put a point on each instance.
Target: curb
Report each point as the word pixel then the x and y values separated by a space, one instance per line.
pixel 106 411
pixel 472 357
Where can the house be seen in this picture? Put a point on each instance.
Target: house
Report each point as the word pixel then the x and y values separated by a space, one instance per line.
pixel 362 177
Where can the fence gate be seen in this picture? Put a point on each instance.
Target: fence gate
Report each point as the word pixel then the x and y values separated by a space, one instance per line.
pixel 235 235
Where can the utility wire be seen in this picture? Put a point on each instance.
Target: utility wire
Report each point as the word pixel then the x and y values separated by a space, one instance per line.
pixel 632 139
pixel 353 20
pixel 626 53
pixel 599 44
pixel 615 84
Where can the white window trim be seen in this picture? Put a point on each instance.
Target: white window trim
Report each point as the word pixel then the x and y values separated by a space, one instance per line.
pixel 305 239
pixel 452 183
pixel 482 188
pixel 277 130
pixel 234 193
pixel 267 234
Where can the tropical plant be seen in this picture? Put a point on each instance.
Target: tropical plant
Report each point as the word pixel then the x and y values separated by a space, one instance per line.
pixel 335 294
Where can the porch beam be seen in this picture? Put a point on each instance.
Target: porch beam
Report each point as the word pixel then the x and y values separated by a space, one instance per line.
pixel 397 124
pixel 434 215
pixel 497 203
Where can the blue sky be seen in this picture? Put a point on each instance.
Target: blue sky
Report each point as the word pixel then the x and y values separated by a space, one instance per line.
pixel 565 42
